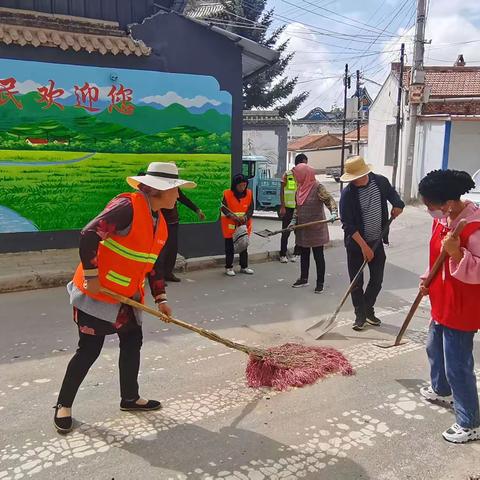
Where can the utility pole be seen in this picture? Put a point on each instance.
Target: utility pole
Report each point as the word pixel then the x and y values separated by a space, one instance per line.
pixel 417 83
pixel 358 112
pixel 399 107
pixel 346 84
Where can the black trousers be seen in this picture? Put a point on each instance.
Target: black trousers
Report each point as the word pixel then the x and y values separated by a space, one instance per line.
pixel 364 301
pixel 170 251
pixel 229 254
pixel 89 348
pixel 287 218
pixel 319 257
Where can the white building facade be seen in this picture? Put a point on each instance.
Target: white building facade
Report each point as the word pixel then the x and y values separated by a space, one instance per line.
pixel 447 132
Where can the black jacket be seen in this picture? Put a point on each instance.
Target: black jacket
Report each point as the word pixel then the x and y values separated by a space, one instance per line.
pixel 351 213
pixel 171 214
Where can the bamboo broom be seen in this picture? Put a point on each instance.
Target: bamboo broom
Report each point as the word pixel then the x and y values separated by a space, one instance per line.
pixel 288 365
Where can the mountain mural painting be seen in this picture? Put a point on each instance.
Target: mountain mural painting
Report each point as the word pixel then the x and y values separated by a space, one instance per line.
pixel 69 136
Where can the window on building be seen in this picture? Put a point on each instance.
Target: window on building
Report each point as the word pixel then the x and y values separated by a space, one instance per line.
pixel 391 133
pixel 249 169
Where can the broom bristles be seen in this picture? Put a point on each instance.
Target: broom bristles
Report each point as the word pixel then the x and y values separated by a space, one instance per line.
pixel 294 365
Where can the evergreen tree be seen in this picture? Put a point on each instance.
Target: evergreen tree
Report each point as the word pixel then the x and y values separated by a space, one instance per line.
pixel 270 87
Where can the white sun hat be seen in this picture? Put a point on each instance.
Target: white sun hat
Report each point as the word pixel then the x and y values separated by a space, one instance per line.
pixel 161 176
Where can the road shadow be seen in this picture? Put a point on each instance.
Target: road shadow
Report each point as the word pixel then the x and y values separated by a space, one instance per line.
pixel 413 385
pixel 229 452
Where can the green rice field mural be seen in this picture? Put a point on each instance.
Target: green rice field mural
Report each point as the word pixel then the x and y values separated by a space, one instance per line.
pixel 69 135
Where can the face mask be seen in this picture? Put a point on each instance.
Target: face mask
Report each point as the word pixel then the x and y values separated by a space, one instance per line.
pixel 437 214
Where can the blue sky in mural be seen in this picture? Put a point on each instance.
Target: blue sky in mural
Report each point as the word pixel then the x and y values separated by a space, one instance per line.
pixel 157 89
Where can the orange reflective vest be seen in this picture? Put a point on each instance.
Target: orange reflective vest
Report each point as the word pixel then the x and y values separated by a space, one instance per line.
pixel 239 207
pixel 124 261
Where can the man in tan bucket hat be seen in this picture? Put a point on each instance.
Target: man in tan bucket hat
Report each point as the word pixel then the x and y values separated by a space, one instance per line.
pixel 364 215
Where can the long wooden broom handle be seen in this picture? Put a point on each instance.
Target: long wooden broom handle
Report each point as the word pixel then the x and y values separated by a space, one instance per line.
pixel 309 224
pixel 201 331
pixel 303 225
pixel 431 275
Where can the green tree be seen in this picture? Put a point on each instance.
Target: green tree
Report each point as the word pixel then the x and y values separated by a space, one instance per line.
pixel 270 88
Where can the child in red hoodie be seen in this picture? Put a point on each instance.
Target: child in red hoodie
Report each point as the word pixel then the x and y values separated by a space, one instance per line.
pixel 454 296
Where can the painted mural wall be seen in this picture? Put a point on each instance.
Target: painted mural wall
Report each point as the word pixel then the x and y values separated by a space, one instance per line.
pixel 69 135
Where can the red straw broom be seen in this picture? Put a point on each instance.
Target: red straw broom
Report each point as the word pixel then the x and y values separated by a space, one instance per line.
pixel 288 365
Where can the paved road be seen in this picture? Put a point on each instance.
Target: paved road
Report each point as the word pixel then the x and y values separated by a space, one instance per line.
pixel 370 426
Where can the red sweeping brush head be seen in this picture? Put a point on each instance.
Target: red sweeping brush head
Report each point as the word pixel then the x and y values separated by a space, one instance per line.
pixel 293 365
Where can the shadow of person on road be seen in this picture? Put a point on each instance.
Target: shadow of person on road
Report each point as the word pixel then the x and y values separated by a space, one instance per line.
pixel 230 452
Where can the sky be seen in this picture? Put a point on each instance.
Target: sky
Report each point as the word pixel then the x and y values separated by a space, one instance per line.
pixel 155 88
pixel 326 34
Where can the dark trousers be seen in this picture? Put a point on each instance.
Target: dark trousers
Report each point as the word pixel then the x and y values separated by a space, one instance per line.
pixel 229 254
pixel 450 353
pixel 287 218
pixel 319 261
pixel 170 251
pixel 364 301
pixel 89 348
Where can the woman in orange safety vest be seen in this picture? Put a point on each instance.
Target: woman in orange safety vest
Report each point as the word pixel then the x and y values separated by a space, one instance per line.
pixel 237 209
pixel 119 251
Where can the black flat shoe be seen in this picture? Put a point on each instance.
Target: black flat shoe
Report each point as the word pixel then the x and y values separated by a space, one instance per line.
pixel 135 407
pixel 172 278
pixel 64 424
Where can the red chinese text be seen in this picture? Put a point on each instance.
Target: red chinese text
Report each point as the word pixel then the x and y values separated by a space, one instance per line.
pixel 121 98
pixel 49 94
pixel 7 92
pixel 87 96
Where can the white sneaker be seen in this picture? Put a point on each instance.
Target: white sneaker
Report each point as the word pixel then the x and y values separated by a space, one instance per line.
pixel 458 434
pixel 229 272
pixel 283 260
pixel 429 394
pixel 294 258
pixel 247 271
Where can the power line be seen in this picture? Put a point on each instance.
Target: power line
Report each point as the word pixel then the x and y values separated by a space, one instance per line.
pixel 389 23
pixel 322 31
pixel 318 78
pixel 342 59
pixel 405 3
pixel 336 20
pixel 406 28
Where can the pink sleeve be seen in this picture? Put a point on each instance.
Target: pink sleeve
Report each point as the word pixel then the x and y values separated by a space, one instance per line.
pixel 468 270
pixel 424 275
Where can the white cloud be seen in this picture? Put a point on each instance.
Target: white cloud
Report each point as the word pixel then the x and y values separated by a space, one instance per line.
pixel 450 24
pixel 27 86
pixel 102 91
pixel 31 86
pixel 171 97
pixel 313 67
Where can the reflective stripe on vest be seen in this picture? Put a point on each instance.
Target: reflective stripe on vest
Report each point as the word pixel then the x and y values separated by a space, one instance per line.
pixel 237 206
pixel 129 253
pixel 118 279
pixel 289 190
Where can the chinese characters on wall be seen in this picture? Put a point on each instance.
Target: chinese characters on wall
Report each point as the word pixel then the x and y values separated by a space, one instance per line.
pixel 86 96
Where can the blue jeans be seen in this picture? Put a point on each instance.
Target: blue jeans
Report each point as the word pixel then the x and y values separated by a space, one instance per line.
pixel 450 353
